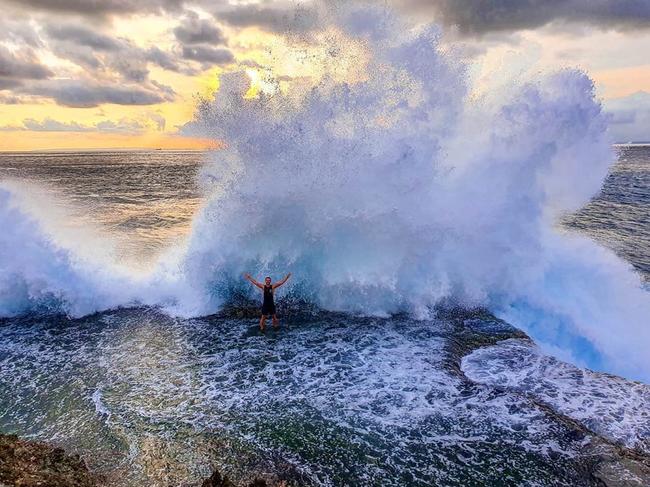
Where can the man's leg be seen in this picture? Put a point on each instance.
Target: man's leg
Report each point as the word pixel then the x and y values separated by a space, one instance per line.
pixel 276 323
pixel 262 322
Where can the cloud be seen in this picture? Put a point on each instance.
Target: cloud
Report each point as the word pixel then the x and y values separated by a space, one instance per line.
pixel 196 40
pixel 158 120
pixel 98 53
pixel 51 125
pixel 629 117
pixel 473 17
pixel 18 66
pixel 123 126
pixel 477 17
pixel 470 17
pixel 194 30
pixel 84 36
pixel 19 31
pixel 167 91
pixel 279 16
pixel 80 55
pixel 85 94
pixel 8 83
pixel 249 63
pixel 161 58
pixel 99 8
pixel 207 55
pixel 104 57
pixel 9 99
pixel 132 67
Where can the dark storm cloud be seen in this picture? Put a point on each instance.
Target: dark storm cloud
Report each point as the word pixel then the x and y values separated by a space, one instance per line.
pixel 83 56
pixel 473 17
pixel 161 58
pixel 98 8
pixel 104 56
pixel 194 30
pixel 101 54
pixel 83 36
pixel 272 16
pixel 8 83
pixel 166 91
pixel 477 17
pixel 129 62
pixel 132 66
pixel 16 67
pixel 196 40
pixel 207 55
pixel 85 94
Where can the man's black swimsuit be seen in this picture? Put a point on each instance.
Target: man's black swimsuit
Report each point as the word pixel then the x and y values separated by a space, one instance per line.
pixel 268 307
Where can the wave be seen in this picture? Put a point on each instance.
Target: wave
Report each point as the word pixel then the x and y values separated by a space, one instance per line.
pixel 517 365
pixel 49 263
pixel 388 191
pixel 38 274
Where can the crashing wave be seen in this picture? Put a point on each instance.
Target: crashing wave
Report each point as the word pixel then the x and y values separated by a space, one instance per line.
pixel 388 193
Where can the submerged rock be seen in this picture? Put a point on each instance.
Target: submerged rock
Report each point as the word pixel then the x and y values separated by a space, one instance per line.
pixel 27 463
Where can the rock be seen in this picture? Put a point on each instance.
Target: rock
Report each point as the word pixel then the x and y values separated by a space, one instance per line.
pixel 623 472
pixel 216 480
pixel 30 464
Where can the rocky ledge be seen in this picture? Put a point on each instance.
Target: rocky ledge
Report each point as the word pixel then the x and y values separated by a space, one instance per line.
pixel 26 463
pixel 30 464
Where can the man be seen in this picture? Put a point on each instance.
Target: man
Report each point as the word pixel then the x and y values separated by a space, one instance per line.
pixel 268 306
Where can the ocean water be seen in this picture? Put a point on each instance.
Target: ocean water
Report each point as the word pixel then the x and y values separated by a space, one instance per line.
pixel 426 224
pixel 329 399
pixel 143 200
pixel 620 216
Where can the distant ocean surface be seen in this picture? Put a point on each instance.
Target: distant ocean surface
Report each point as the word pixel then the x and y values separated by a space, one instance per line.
pixel 332 398
pixel 619 217
pixel 143 200
pixel 146 199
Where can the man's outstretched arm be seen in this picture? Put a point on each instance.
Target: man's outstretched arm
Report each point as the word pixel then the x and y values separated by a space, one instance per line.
pixel 278 284
pixel 253 281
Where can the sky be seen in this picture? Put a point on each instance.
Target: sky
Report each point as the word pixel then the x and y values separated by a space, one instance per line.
pixel 129 73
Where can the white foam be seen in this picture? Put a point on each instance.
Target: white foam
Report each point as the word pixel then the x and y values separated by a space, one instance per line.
pixel 384 192
pixel 612 407
pixel 100 407
pixel 395 191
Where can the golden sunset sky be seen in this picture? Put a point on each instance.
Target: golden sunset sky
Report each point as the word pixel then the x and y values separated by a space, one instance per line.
pixel 128 74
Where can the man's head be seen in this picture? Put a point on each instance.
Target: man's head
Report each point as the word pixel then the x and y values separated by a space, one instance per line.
pixel 267 281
